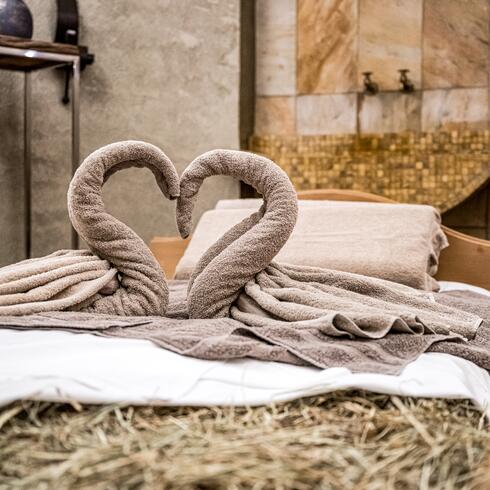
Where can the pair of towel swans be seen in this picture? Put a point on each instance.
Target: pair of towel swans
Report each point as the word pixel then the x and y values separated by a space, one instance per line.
pixel 236 277
pixel 224 269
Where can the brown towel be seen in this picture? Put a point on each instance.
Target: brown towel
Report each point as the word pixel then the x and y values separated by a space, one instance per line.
pixel 477 349
pixel 289 313
pixel 236 276
pixel 239 254
pixel 345 304
pixel 81 280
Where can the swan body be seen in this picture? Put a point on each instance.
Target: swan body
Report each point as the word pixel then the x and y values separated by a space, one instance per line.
pixel 248 247
pixel 143 289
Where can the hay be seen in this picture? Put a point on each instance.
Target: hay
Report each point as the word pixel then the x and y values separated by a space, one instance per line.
pixel 340 440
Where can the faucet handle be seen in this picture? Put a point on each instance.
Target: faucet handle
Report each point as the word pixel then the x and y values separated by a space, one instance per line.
pixel 406 84
pixel 370 87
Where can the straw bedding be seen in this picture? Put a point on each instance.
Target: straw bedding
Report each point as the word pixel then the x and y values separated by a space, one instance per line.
pixel 340 440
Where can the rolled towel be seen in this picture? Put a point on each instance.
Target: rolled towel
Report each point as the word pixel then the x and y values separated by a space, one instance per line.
pixel 237 276
pixel 55 282
pixel 119 276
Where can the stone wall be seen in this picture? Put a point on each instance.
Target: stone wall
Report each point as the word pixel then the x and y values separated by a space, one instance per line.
pixel 166 72
pixel 312 115
pixel 311 55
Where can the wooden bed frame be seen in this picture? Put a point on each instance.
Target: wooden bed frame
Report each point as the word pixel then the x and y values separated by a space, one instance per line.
pixel 467 259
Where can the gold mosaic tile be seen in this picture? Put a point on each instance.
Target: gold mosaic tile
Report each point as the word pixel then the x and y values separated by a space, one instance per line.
pixel 440 169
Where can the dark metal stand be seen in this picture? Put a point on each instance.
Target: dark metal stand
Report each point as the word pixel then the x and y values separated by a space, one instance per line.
pixel 27 59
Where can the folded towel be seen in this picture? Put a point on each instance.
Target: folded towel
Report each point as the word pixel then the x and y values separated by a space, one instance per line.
pixel 236 276
pixel 477 350
pixel 120 275
pixel 342 304
pixel 55 282
pixel 396 242
pixel 241 304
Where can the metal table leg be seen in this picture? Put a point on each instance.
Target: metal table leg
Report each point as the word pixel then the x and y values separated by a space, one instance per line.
pixel 27 166
pixel 75 135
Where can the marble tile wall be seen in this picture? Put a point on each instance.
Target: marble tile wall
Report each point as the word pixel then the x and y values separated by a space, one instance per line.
pixel 327 46
pixel 456 43
pixel 315 51
pixel 390 39
pixel 464 108
pixel 275 114
pixel 326 114
pixel 275 47
pixel 389 112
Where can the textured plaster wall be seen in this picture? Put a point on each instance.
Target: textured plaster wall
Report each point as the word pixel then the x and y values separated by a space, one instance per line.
pixel 166 72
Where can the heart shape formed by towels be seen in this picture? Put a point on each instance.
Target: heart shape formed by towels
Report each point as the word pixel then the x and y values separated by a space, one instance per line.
pixel 236 277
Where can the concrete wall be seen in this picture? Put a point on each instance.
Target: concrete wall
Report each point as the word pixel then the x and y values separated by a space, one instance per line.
pixel 166 72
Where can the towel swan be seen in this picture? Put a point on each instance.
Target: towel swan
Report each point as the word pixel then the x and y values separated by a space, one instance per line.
pixel 143 288
pixel 248 247
pixel 119 274
pixel 237 276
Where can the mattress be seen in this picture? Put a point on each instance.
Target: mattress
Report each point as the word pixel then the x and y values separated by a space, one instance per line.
pixel 64 367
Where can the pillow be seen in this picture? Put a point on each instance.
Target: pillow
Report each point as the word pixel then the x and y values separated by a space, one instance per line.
pixel 396 242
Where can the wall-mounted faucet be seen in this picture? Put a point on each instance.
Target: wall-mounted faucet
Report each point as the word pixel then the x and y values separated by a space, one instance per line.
pixel 406 84
pixel 370 87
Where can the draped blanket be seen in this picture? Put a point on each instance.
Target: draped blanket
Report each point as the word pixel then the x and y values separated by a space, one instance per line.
pixel 294 343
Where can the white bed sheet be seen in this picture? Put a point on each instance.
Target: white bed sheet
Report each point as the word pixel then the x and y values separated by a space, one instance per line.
pixel 60 366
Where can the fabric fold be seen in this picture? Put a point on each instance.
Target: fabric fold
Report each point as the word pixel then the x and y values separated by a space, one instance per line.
pixel 239 302
pixel 395 242
pixel 227 338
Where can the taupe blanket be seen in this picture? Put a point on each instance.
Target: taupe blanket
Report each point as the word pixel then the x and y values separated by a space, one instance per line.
pixel 81 280
pixel 226 338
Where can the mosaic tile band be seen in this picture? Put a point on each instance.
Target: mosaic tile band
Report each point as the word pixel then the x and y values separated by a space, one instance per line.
pixel 441 169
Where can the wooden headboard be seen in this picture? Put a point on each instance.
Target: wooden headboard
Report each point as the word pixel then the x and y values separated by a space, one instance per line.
pixel 467 259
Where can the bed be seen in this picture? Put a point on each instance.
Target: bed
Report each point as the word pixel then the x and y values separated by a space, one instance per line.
pixel 81 368
pixel 59 371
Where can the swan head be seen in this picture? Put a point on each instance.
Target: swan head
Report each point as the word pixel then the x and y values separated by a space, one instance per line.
pixel 262 174
pixel 126 154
